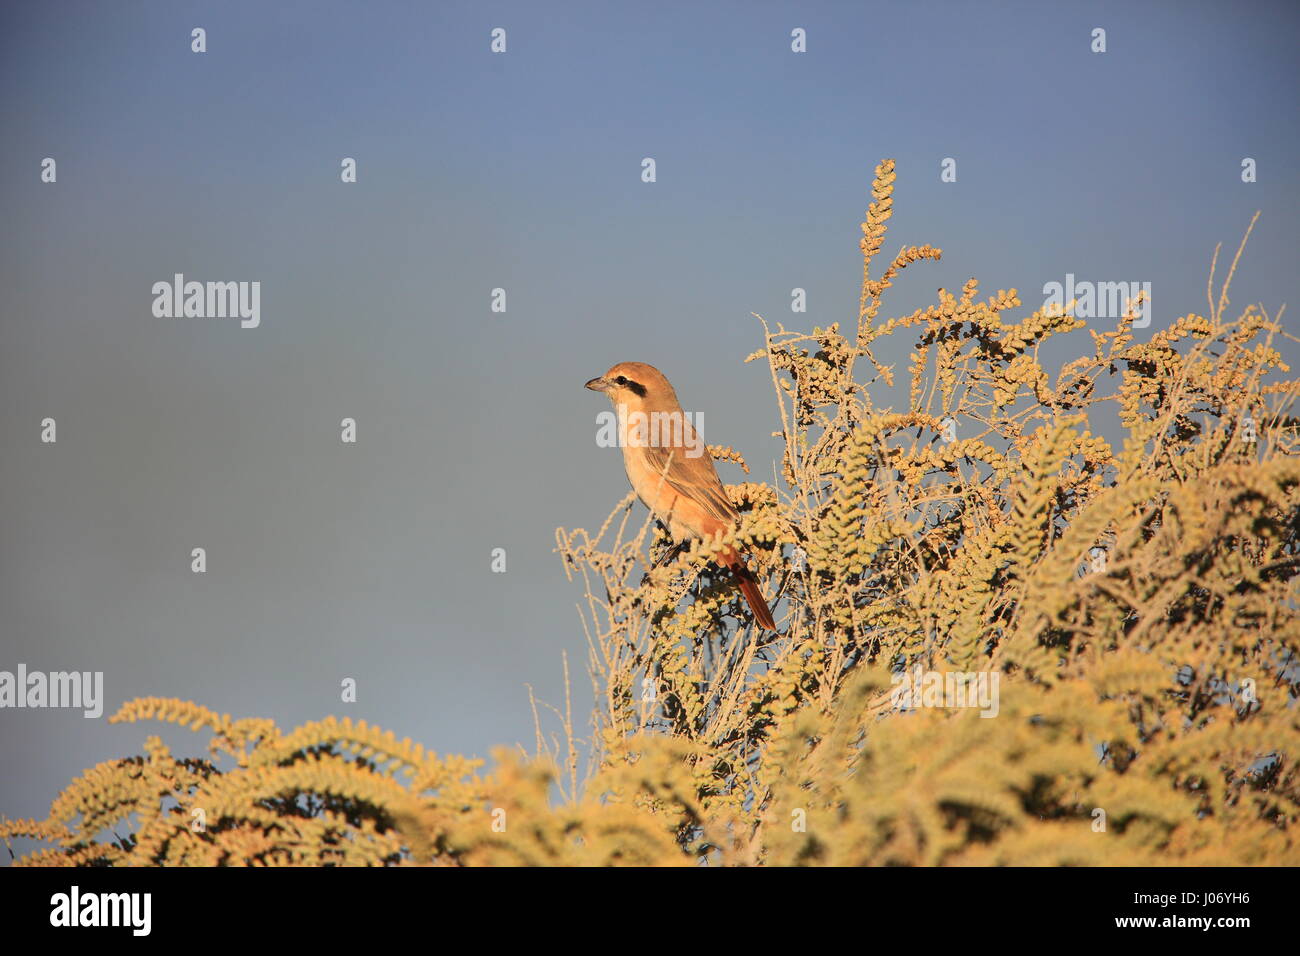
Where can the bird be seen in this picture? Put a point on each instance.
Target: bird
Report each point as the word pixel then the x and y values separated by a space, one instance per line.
pixel 671 470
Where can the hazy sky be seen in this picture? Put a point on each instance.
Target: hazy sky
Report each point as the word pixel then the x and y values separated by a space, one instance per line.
pixel 522 171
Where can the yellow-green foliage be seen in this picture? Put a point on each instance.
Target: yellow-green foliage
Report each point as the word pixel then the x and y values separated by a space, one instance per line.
pixel 1139 608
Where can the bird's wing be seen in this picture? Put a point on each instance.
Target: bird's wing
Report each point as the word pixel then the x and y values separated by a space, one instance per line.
pixel 695 478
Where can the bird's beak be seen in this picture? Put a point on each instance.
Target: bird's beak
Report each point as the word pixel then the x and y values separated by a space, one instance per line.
pixel 598 385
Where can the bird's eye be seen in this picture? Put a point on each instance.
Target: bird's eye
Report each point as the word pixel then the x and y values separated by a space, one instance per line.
pixel 621 380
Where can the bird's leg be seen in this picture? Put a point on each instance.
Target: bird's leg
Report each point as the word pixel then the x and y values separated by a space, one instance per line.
pixel 670 554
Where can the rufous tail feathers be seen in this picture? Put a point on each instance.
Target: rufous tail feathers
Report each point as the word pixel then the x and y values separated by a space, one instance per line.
pixel 749 587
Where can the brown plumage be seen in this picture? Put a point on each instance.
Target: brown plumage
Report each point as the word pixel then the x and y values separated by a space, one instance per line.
pixel 673 474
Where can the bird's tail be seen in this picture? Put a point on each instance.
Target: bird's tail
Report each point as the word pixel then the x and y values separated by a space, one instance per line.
pixel 749 587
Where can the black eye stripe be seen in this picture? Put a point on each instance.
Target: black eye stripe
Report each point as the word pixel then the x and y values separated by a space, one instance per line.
pixel 638 389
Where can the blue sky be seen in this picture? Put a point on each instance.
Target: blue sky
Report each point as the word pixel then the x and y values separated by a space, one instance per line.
pixel 520 171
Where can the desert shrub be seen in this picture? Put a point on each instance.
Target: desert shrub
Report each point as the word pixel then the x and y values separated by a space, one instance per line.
pixel 1134 608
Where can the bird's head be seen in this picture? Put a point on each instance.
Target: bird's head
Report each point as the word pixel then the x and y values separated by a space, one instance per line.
pixel 635 385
